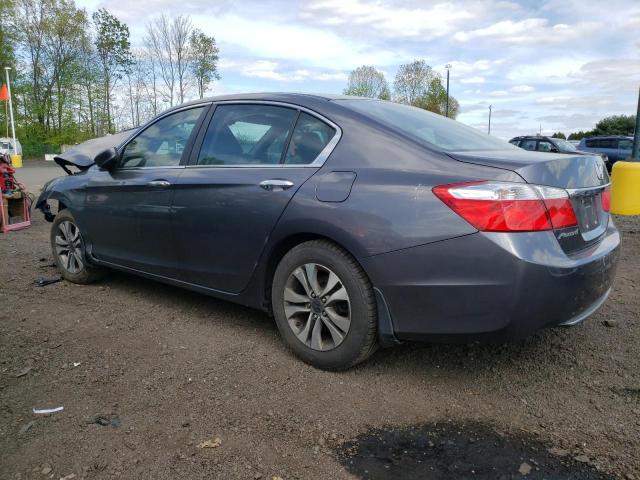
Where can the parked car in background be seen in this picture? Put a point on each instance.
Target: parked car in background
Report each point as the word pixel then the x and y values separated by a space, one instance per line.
pixel 616 147
pixel 355 222
pixel 539 143
pixel 6 146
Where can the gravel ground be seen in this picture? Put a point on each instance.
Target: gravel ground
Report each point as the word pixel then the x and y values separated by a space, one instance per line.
pixel 147 374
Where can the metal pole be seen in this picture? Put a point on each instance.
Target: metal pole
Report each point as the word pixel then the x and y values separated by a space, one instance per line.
pixel 635 153
pixel 489 132
pixel 448 67
pixel 13 127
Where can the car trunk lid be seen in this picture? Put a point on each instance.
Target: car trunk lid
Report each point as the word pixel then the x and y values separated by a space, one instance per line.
pixel 584 177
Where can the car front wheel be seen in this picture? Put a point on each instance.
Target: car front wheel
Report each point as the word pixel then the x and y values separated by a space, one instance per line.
pixel 324 306
pixel 68 250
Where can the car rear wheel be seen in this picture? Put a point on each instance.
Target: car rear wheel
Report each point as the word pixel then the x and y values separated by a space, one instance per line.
pixel 68 250
pixel 324 306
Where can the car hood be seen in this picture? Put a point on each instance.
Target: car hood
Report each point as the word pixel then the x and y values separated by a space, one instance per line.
pixel 82 155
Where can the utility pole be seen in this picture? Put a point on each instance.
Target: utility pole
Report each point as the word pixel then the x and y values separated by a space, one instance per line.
pixel 13 128
pixel 635 153
pixel 448 67
pixel 489 132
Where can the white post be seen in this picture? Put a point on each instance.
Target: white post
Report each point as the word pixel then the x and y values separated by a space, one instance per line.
pixel 13 128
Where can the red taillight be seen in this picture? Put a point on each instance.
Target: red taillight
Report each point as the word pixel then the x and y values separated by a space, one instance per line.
pixel 605 198
pixel 509 207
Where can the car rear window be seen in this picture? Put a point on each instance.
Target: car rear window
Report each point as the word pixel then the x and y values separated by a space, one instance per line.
pixel 438 131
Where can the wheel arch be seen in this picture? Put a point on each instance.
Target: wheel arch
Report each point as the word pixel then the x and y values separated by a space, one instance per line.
pixel 280 249
pixel 386 330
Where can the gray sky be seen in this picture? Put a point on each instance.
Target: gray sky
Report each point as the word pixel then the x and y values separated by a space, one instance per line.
pixel 560 63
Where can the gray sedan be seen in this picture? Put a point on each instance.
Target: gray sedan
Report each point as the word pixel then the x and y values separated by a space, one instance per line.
pixel 356 223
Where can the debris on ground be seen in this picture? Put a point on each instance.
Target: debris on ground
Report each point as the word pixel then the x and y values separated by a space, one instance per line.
pixel 610 322
pixel 43 282
pixel 25 428
pixel 23 372
pixel 45 411
pixel 215 443
pixel 525 469
pixel 106 420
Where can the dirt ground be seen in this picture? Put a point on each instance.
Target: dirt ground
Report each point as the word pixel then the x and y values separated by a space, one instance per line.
pixel 147 373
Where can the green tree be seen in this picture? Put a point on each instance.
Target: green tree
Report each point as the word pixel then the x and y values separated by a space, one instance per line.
pixel 616 125
pixel 367 81
pixel 204 60
pixel 7 35
pixel 417 84
pixel 113 51
pixel 559 135
pixel 412 81
pixel 578 135
pixel 8 38
pixel 435 99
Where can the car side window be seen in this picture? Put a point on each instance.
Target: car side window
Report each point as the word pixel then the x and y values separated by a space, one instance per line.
pixel 625 144
pixel 162 143
pixel 544 146
pixel 309 138
pixel 528 144
pixel 241 134
pixel 590 143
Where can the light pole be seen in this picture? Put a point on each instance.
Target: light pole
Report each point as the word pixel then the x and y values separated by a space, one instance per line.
pixel 448 67
pixel 13 128
pixel 489 132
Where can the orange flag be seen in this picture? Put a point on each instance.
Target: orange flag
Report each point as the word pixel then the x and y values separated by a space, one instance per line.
pixel 4 93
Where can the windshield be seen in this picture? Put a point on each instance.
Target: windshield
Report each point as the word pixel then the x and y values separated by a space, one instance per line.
pixel 565 146
pixel 440 132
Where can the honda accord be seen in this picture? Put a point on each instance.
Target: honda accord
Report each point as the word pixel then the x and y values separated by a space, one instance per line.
pixel 355 222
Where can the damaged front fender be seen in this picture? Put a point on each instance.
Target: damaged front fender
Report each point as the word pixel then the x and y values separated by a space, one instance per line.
pixel 69 192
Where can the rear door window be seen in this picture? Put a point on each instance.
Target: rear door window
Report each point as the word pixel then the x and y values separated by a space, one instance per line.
pixel 528 144
pixel 242 134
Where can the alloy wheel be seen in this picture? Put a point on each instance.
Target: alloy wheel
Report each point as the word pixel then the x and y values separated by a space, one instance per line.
pixel 317 307
pixel 69 247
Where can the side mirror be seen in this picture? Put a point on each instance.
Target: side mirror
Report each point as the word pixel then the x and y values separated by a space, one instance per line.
pixel 107 159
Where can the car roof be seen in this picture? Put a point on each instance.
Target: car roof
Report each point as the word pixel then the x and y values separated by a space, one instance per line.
pixel 291 97
pixel 629 137
pixel 535 137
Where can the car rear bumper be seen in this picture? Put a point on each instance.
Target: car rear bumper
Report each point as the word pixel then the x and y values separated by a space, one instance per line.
pixel 497 286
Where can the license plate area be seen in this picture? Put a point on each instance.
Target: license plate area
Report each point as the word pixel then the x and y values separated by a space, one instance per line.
pixel 587 212
pixel 592 219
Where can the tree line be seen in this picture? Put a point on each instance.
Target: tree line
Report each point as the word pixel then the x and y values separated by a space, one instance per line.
pixel 613 125
pixel 415 83
pixel 76 76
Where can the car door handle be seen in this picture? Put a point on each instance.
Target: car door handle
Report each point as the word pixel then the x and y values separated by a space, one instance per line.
pixel 159 183
pixel 276 184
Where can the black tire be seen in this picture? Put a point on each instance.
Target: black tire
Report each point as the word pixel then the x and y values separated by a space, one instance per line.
pixel 360 340
pixel 81 271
